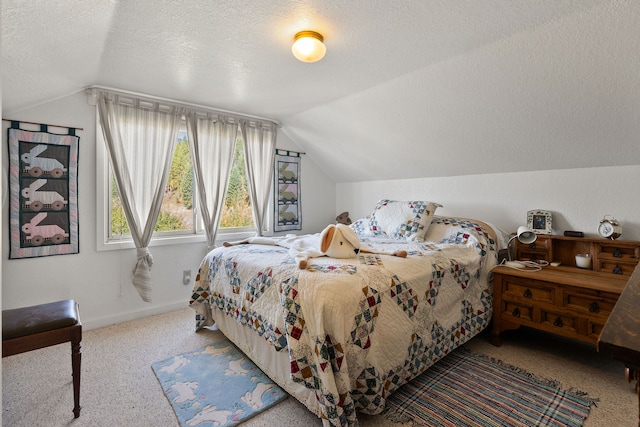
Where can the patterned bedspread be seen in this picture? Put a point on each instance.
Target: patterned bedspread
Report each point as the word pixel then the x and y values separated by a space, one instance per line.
pixel 357 329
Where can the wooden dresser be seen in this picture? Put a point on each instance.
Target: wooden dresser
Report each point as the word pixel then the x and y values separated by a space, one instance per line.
pixel 564 300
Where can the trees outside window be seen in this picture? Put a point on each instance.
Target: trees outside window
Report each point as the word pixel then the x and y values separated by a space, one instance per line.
pixel 179 213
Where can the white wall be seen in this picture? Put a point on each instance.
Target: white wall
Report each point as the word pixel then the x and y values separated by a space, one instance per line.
pixel 577 198
pixel 100 281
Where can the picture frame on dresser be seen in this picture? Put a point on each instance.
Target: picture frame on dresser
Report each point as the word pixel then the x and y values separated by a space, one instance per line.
pixel 539 221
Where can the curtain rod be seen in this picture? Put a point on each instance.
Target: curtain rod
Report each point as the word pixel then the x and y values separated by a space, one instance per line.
pixel 181 103
pixel 46 124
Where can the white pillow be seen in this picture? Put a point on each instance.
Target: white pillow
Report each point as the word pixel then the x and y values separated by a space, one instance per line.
pixel 405 220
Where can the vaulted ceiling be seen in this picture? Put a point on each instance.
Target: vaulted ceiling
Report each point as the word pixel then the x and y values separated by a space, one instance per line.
pixel 415 88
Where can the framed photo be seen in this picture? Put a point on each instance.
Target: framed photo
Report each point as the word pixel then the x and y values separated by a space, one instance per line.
pixel 539 221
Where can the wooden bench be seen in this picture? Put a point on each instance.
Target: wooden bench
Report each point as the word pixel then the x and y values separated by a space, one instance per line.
pixel 30 328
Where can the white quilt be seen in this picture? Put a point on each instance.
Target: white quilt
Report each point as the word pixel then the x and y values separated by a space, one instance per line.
pixel 357 329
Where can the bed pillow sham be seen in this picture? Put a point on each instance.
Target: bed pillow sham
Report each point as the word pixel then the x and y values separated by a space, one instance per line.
pixel 365 227
pixel 402 220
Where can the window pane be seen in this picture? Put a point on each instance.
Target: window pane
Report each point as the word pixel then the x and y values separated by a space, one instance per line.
pixel 119 224
pixel 176 213
pixel 178 210
pixel 236 211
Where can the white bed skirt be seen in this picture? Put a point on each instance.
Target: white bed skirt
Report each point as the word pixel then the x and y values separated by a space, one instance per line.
pixel 273 363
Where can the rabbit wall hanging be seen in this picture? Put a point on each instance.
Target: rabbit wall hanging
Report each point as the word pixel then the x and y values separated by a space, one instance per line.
pixel 288 210
pixel 43 191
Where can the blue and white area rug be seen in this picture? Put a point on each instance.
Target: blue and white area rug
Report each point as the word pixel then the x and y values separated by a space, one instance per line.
pixel 215 386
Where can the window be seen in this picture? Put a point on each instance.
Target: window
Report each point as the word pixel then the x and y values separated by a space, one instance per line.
pixel 177 214
pixel 179 217
pixel 236 212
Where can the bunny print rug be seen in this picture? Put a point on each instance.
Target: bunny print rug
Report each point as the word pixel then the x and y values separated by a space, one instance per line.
pixel 215 386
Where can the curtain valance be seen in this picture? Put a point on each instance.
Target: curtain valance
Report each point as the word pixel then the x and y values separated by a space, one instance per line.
pixel 150 102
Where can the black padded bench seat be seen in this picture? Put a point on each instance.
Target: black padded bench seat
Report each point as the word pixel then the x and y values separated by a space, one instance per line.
pixel 18 322
pixel 30 328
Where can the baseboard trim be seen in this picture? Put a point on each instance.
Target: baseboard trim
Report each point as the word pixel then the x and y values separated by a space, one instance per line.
pixel 125 317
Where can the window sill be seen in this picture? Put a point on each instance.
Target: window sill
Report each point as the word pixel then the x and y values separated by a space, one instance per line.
pixel 116 245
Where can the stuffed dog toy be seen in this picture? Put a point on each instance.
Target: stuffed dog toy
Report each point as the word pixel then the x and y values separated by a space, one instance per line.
pixel 335 241
pixel 340 241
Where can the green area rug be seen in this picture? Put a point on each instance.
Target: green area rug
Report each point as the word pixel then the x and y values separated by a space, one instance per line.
pixel 468 389
pixel 215 386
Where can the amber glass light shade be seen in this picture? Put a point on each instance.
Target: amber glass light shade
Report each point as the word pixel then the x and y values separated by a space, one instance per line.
pixel 308 46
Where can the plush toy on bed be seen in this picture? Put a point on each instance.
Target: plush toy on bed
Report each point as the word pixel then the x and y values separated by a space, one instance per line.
pixel 343 218
pixel 340 241
pixel 335 241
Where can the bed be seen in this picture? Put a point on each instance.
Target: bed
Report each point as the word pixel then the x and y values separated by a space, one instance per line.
pixel 343 334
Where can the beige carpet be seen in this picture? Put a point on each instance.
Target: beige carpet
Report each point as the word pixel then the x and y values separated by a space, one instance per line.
pixel 120 389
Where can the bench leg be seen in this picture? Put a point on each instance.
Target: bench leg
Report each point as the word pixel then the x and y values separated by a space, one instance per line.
pixel 76 357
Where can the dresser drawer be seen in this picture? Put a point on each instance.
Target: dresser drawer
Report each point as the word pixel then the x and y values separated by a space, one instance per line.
pixel 540 244
pixel 615 266
pixel 563 321
pixel 531 255
pixel 536 251
pixel 516 311
pixel 527 289
pixel 588 301
pixel 621 253
pixel 594 329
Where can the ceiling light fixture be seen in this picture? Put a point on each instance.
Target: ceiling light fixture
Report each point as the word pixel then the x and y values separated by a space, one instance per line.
pixel 308 46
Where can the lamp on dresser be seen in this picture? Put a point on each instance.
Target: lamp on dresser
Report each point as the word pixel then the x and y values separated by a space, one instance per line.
pixel 524 235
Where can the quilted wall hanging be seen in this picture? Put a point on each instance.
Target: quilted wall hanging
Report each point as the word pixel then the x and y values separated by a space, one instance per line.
pixel 43 190
pixel 288 211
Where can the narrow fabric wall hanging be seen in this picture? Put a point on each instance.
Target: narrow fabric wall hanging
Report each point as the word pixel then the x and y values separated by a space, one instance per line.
pixel 288 210
pixel 43 191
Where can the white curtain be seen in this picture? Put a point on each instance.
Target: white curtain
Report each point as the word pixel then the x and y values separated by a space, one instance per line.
pixel 213 139
pixel 259 139
pixel 140 137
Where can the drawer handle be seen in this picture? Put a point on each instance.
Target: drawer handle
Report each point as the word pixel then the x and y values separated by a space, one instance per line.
pixel 516 312
pixel 532 245
pixel 558 322
pixel 617 269
pixel 593 308
pixel 527 293
pixel 617 253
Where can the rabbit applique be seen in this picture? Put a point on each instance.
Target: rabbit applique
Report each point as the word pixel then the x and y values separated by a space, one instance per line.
pixel 37 165
pixel 36 234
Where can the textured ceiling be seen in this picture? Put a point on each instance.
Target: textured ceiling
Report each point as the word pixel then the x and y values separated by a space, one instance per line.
pixel 406 87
